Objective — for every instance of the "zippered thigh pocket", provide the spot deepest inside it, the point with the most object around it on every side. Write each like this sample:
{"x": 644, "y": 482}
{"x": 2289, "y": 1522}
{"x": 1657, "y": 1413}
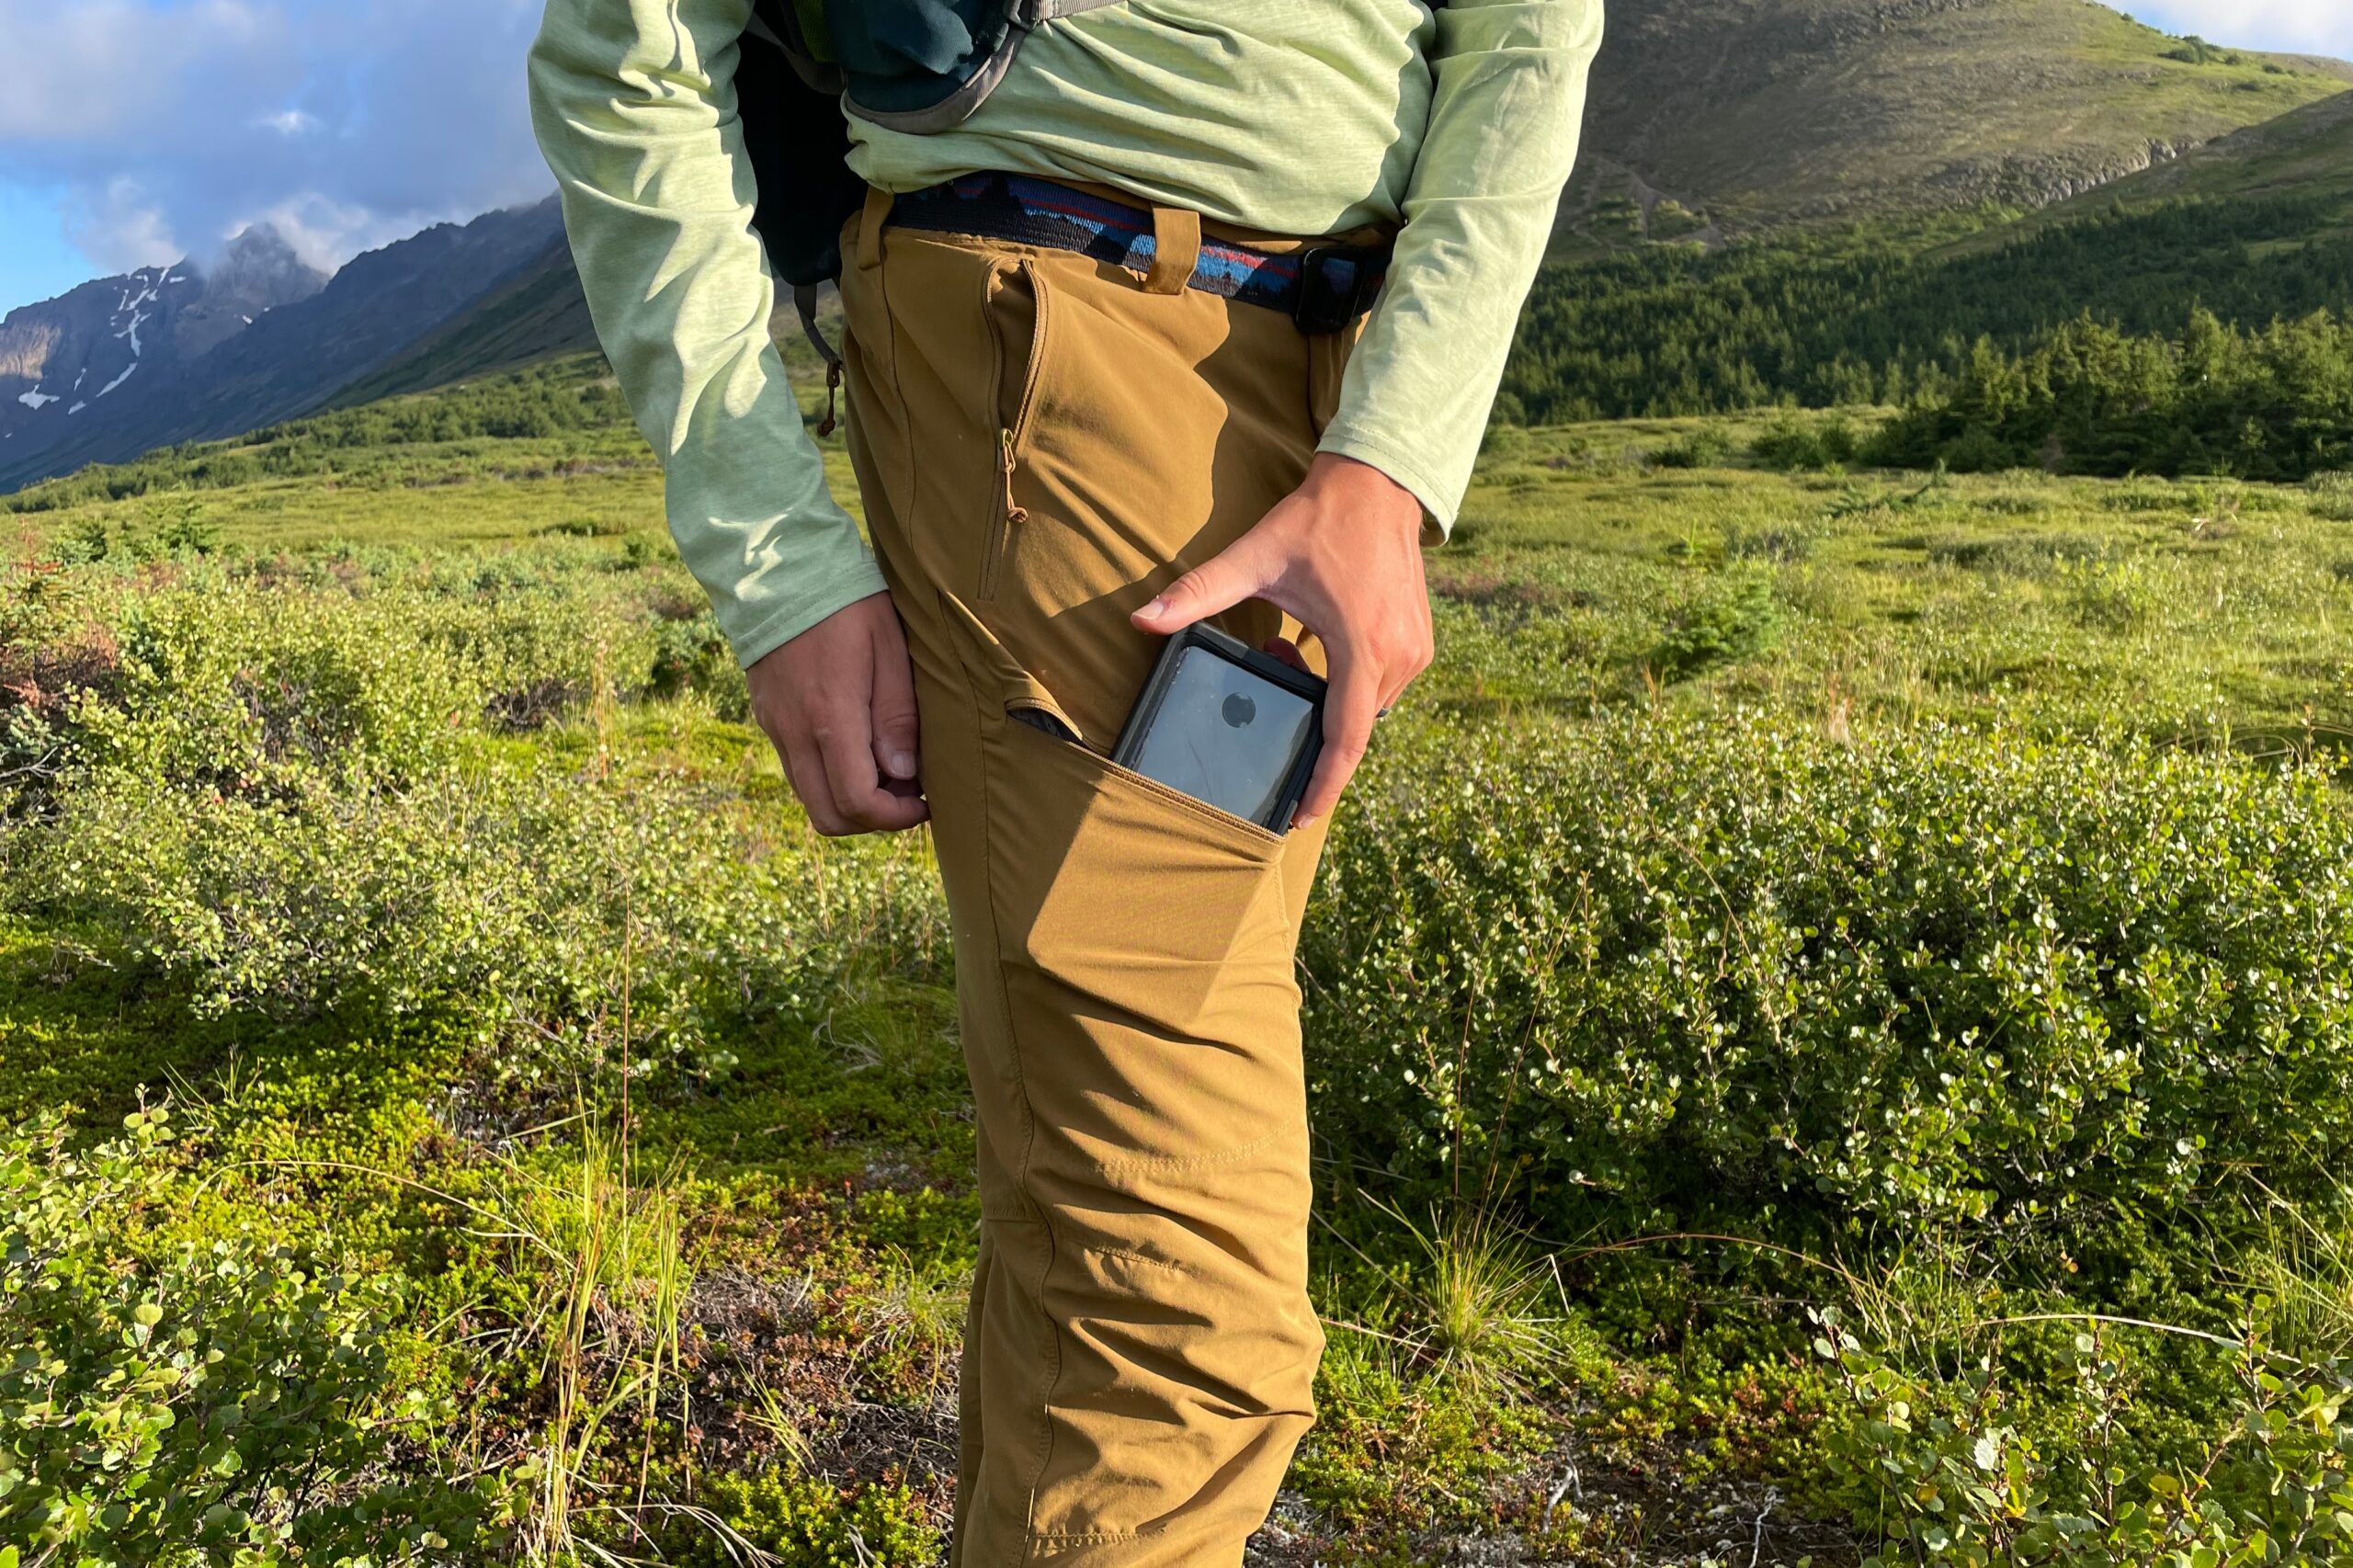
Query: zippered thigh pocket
{"x": 1018, "y": 306}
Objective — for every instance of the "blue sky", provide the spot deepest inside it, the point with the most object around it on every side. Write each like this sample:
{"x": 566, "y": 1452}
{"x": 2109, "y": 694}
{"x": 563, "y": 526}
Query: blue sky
{"x": 135, "y": 132}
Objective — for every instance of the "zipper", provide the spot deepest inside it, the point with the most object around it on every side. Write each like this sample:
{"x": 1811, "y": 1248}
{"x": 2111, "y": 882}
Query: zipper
{"x": 1011, "y": 515}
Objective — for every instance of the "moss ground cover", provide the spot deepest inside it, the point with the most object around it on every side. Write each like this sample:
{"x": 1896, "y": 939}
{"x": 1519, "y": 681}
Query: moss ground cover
{"x": 1831, "y": 1019}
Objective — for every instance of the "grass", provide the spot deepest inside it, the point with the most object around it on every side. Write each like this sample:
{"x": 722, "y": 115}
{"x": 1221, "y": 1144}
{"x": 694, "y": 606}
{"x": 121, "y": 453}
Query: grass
{"x": 721, "y": 1312}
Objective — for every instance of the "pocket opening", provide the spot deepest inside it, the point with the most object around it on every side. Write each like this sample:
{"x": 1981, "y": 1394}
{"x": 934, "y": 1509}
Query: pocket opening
{"x": 1045, "y": 716}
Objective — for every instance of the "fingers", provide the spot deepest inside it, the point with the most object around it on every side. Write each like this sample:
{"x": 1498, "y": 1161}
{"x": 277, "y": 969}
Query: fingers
{"x": 843, "y": 738}
{"x": 1349, "y": 708}
{"x": 1286, "y": 650}
{"x": 893, "y": 704}
{"x": 1218, "y": 584}
{"x": 839, "y": 702}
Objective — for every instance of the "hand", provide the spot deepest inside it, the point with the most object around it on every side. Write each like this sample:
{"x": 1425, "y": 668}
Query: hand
{"x": 839, "y": 702}
{"x": 1342, "y": 556}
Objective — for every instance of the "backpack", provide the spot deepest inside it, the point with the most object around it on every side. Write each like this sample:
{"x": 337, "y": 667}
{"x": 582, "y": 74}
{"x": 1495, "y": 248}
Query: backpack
{"x": 918, "y": 65}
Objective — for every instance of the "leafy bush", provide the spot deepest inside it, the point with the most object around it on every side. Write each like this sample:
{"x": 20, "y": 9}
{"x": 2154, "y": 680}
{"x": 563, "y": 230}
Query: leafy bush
{"x": 292, "y": 800}
{"x": 2040, "y": 994}
{"x": 1941, "y": 1470}
{"x": 174, "y": 1405}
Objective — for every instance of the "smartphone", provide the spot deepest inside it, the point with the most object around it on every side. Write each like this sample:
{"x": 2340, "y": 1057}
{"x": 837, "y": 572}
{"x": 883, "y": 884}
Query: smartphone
{"x": 1227, "y": 725}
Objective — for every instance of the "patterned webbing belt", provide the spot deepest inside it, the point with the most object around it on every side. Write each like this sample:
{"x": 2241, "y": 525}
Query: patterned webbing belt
{"x": 1323, "y": 288}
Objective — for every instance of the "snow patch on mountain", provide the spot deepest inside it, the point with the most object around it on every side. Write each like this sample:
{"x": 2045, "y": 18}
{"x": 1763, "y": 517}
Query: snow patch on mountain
{"x": 35, "y": 400}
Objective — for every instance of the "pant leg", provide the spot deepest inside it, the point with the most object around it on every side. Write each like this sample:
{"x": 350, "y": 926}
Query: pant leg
{"x": 1042, "y": 445}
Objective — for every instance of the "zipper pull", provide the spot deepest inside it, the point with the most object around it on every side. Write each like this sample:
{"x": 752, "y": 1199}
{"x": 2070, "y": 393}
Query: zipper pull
{"x": 832, "y": 384}
{"x": 1015, "y": 513}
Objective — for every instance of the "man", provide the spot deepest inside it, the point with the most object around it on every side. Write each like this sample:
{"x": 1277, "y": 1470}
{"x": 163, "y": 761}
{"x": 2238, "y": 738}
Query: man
{"x": 1093, "y": 397}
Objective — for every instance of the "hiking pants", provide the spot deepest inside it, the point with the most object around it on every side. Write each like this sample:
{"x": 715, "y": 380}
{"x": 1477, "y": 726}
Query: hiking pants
{"x": 1043, "y": 443}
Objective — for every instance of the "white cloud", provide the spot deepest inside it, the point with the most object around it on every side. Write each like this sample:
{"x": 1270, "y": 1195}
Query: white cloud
{"x": 288, "y": 122}
{"x": 119, "y": 228}
{"x": 348, "y": 123}
{"x": 326, "y": 233}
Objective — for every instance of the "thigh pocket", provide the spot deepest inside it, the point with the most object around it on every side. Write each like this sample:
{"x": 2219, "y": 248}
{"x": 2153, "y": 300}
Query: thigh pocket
{"x": 1143, "y": 938}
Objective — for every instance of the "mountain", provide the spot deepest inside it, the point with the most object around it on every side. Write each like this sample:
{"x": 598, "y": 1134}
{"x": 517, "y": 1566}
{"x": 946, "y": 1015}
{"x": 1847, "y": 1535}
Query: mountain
{"x": 221, "y": 379}
{"x": 74, "y": 364}
{"x": 536, "y": 312}
{"x": 2304, "y": 155}
{"x": 1710, "y": 118}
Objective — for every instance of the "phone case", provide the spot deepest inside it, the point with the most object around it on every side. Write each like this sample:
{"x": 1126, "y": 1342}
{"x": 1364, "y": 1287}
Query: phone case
{"x": 1264, "y": 666}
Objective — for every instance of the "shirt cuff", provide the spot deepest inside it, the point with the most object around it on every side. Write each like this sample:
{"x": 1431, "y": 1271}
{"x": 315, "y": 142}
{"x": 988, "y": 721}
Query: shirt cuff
{"x": 1439, "y": 503}
{"x": 809, "y": 603}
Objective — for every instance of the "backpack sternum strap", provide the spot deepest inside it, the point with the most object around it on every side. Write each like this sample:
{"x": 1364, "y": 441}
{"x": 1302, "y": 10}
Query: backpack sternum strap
{"x": 1033, "y": 12}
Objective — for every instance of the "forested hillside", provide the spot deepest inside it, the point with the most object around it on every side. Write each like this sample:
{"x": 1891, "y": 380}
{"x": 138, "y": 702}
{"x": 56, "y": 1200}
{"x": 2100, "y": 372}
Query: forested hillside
{"x": 2131, "y": 296}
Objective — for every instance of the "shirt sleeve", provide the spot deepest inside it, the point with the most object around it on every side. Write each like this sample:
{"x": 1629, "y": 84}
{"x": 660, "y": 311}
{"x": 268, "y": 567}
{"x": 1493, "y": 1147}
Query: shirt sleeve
{"x": 633, "y": 102}
{"x": 1508, "y": 102}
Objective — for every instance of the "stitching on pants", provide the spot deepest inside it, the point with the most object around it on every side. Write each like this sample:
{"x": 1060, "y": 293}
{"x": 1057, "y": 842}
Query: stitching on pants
{"x": 1193, "y": 1162}
{"x": 1124, "y": 1256}
{"x": 906, "y": 507}
{"x": 1029, "y": 1116}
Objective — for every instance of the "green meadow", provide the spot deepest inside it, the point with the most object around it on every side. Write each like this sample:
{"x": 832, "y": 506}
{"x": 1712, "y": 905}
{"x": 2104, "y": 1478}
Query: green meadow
{"x": 1830, "y": 1023}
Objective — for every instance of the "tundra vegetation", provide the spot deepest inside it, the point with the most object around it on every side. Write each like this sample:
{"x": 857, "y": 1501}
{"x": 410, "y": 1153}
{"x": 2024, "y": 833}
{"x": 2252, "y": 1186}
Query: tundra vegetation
{"x": 1830, "y": 1017}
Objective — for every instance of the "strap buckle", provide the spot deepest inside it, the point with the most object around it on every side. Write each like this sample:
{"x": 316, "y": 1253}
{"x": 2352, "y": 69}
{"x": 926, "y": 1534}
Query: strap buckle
{"x": 1337, "y": 284}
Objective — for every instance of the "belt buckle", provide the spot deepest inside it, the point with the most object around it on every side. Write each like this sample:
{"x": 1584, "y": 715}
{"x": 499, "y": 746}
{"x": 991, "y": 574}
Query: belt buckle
{"x": 1327, "y": 303}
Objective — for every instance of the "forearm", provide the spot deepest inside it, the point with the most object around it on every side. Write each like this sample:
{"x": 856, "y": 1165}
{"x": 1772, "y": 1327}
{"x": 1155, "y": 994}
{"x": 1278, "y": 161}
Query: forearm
{"x": 1509, "y": 99}
{"x": 633, "y": 104}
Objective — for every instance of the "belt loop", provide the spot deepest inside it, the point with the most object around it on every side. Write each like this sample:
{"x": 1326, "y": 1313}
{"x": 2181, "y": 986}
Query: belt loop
{"x": 869, "y": 227}
{"x": 1175, "y": 249}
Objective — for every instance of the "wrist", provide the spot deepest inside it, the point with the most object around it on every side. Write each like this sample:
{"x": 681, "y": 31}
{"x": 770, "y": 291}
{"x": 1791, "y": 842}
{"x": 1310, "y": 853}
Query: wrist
{"x": 1363, "y": 490}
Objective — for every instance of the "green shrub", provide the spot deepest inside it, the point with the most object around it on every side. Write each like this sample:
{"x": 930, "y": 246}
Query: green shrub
{"x": 2332, "y": 495}
{"x": 802, "y": 1522}
{"x": 1735, "y": 617}
{"x": 1703, "y": 447}
{"x": 2038, "y": 995}
{"x": 174, "y": 1405}
{"x": 1790, "y": 444}
{"x": 289, "y": 798}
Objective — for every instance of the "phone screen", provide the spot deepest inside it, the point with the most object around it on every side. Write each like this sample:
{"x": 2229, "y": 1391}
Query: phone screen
{"x": 1225, "y": 736}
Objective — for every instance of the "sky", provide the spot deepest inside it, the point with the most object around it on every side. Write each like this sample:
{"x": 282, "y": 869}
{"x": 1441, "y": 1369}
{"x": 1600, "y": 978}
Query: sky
{"x": 133, "y": 132}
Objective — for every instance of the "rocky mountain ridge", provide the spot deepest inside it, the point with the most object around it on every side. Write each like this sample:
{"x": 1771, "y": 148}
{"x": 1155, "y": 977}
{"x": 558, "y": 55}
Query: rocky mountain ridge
{"x": 122, "y": 366}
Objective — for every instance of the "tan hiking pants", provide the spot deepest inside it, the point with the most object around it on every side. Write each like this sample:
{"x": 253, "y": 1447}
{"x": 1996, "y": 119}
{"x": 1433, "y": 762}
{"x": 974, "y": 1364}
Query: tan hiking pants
{"x": 1044, "y": 442}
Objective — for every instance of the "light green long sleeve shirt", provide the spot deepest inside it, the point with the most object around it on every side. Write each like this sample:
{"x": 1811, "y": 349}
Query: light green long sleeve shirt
{"x": 1297, "y": 117}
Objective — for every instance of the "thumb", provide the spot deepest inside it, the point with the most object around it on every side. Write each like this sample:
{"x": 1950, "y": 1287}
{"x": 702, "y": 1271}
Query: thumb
{"x": 1218, "y": 584}
{"x": 895, "y": 705}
